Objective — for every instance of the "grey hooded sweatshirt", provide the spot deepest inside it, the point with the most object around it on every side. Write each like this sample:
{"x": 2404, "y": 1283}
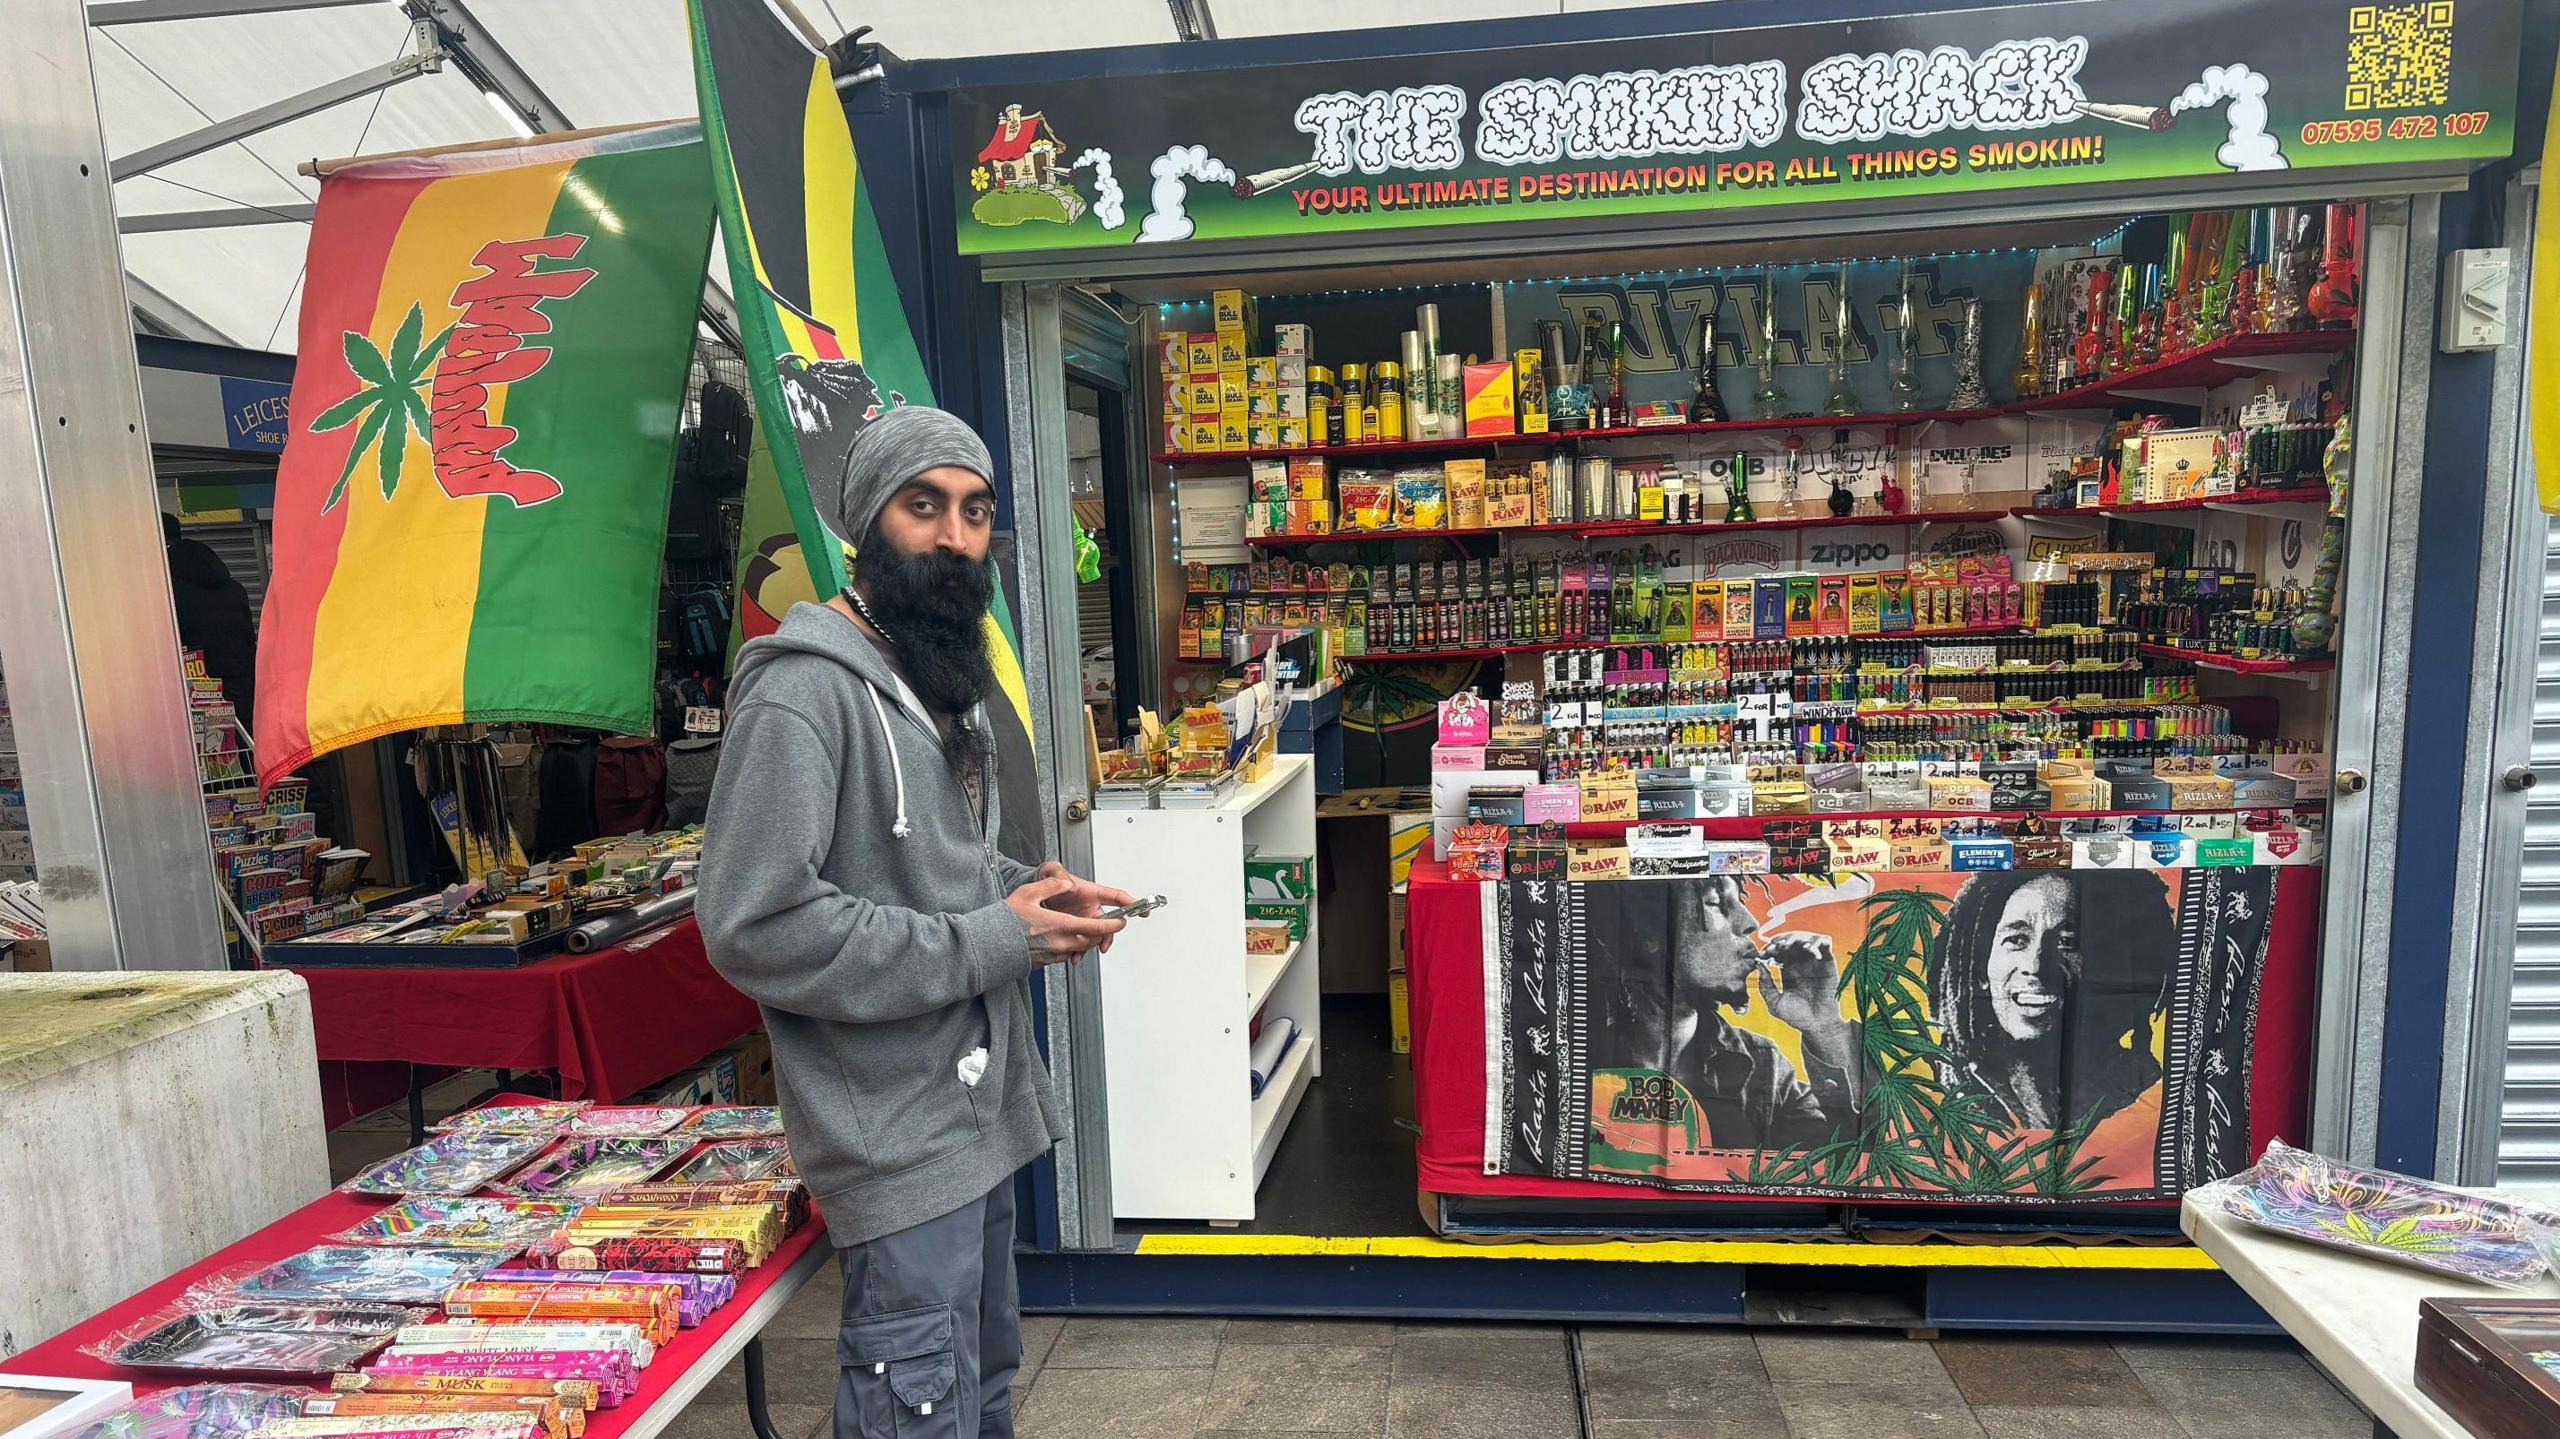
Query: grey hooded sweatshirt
{"x": 848, "y": 887}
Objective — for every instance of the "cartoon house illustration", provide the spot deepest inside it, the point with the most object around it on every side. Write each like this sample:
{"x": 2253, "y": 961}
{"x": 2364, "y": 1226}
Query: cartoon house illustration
{"x": 1023, "y": 175}
{"x": 1023, "y": 153}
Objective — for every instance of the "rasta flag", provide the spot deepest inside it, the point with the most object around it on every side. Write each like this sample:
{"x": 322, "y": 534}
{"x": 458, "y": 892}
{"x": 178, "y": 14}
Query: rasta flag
{"x": 472, "y": 504}
{"x": 828, "y": 346}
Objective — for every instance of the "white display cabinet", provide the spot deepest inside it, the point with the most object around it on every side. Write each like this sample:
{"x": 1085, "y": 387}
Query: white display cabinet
{"x": 1189, "y": 1140}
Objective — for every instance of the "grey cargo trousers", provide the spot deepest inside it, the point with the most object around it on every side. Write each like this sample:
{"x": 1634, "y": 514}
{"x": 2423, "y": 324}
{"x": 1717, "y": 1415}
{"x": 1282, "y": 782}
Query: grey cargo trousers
{"x": 932, "y": 1330}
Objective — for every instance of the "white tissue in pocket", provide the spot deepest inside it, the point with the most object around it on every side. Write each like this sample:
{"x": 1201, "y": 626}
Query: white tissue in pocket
{"x": 973, "y": 1066}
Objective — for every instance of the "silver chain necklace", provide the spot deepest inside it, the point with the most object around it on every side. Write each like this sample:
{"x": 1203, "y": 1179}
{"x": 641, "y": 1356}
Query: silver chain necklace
{"x": 868, "y": 617}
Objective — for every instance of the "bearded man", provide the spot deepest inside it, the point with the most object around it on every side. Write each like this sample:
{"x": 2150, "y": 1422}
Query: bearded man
{"x": 851, "y": 886}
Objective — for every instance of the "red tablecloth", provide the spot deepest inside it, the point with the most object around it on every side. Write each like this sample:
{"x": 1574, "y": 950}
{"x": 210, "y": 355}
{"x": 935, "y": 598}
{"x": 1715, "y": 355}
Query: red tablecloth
{"x": 314, "y": 1223}
{"x": 1444, "y": 960}
{"x": 610, "y": 1021}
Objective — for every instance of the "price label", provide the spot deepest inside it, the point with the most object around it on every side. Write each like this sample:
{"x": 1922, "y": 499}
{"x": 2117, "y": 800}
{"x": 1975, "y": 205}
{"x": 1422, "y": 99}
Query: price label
{"x": 701, "y": 719}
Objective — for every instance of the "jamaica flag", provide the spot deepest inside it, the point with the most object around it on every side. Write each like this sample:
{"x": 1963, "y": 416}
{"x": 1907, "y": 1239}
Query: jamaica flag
{"x": 828, "y": 347}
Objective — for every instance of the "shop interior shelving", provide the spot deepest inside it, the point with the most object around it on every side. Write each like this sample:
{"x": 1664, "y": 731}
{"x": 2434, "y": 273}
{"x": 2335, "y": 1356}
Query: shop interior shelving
{"x": 1489, "y": 652}
{"x": 1641, "y": 529}
{"x": 2299, "y": 497}
{"x": 2234, "y": 357}
{"x": 2233, "y": 664}
{"x": 1189, "y": 1140}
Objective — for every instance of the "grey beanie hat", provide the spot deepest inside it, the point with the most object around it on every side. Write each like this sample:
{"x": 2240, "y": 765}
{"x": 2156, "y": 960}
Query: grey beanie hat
{"x": 891, "y": 450}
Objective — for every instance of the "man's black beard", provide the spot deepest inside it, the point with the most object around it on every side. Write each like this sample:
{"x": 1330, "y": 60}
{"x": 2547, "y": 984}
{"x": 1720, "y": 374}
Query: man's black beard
{"x": 934, "y": 608}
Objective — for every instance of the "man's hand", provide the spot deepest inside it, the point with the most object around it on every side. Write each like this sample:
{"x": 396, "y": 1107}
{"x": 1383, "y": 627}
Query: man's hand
{"x": 1061, "y": 912}
{"x": 1799, "y": 982}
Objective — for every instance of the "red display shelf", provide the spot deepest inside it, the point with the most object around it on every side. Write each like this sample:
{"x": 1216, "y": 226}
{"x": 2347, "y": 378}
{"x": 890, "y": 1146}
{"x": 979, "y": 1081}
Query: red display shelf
{"x": 2233, "y": 664}
{"x": 1608, "y": 828}
{"x": 2300, "y": 495}
{"x": 1556, "y": 439}
{"x": 1896, "y": 419}
{"x": 1615, "y": 528}
{"x": 1374, "y": 450}
{"x": 1485, "y": 653}
{"x": 2216, "y": 364}
{"x": 1353, "y": 537}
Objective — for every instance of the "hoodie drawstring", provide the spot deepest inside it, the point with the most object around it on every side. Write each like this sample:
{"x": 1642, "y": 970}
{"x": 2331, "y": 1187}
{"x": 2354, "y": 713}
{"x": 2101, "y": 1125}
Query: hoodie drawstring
{"x": 897, "y": 770}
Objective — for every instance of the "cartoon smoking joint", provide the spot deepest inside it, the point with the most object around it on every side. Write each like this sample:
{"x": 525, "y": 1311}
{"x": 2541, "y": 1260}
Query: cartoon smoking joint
{"x": 1023, "y": 177}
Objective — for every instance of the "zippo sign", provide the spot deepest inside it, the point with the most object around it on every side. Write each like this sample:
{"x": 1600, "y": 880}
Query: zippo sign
{"x": 2025, "y": 97}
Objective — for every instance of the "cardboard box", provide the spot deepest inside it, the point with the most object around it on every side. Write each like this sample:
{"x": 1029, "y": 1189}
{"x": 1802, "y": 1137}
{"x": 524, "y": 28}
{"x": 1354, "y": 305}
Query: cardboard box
{"x": 1491, "y": 408}
{"x": 1965, "y": 794}
{"x": 1975, "y": 855}
{"x": 1232, "y": 433}
{"x": 713, "y": 1081}
{"x": 1597, "y": 861}
{"x": 1279, "y": 876}
{"x": 1200, "y": 397}
{"x": 1290, "y": 400}
{"x": 1553, "y": 803}
{"x": 2102, "y": 854}
{"x": 752, "y": 1055}
{"x": 1293, "y": 434}
{"x": 1173, "y": 353}
{"x": 2287, "y": 846}
{"x": 1262, "y": 434}
{"x": 1263, "y": 371}
{"x": 1266, "y": 937}
{"x": 1465, "y": 719}
{"x": 1399, "y": 994}
{"x": 1609, "y": 797}
{"x": 2163, "y": 851}
{"x": 2138, "y": 792}
{"x": 1291, "y": 912}
{"x": 1231, "y": 310}
{"x": 1406, "y": 835}
{"x": 1304, "y": 477}
{"x": 1261, "y": 402}
{"x": 1234, "y": 395}
{"x": 1453, "y": 758}
{"x": 2225, "y": 853}
{"x": 1202, "y": 437}
{"x": 1529, "y": 384}
{"x": 1200, "y": 357}
{"x": 1234, "y": 348}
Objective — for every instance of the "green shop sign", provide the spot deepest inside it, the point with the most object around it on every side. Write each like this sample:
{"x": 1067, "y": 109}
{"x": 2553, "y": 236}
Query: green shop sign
{"x": 2163, "y": 93}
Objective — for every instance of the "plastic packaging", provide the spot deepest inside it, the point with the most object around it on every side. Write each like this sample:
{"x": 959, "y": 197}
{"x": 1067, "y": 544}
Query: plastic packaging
{"x": 630, "y": 1120}
{"x": 589, "y": 1167}
{"x": 697, "y": 1295}
{"x": 201, "y": 1337}
{"x": 732, "y": 1121}
{"x": 507, "y": 1225}
{"x": 547, "y": 1118}
{"x": 1422, "y": 499}
{"x": 198, "y": 1411}
{"x": 729, "y": 1163}
{"x": 354, "y": 1274}
{"x": 449, "y": 1164}
{"x": 2387, "y": 1216}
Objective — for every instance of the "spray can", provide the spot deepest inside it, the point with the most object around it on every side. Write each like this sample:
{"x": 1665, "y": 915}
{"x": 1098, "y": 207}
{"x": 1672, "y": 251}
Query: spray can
{"x": 1386, "y": 384}
{"x": 1324, "y": 407}
{"x": 1355, "y": 406}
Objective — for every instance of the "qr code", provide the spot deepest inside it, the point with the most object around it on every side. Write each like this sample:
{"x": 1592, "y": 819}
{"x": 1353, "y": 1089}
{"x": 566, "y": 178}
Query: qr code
{"x": 2399, "y": 57}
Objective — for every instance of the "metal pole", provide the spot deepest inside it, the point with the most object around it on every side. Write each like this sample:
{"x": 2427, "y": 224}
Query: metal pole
{"x": 143, "y": 12}
{"x": 223, "y": 219}
{"x": 86, "y": 629}
{"x": 1035, "y": 426}
{"x": 284, "y": 111}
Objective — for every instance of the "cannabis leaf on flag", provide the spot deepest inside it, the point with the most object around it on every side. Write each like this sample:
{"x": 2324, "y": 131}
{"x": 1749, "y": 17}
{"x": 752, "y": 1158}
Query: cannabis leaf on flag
{"x": 389, "y": 403}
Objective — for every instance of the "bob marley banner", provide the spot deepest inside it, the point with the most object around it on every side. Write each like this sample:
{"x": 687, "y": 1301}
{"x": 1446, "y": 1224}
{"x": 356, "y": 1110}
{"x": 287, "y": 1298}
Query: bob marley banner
{"x": 2038, "y": 1035}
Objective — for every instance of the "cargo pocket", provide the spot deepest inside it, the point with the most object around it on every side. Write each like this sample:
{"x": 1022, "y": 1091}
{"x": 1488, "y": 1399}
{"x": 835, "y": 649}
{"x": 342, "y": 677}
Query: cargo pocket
{"x": 901, "y": 1368}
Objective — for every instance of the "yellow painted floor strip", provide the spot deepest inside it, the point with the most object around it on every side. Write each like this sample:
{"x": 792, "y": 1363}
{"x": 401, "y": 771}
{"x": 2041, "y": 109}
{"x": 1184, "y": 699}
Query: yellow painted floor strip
{"x": 1687, "y": 1251}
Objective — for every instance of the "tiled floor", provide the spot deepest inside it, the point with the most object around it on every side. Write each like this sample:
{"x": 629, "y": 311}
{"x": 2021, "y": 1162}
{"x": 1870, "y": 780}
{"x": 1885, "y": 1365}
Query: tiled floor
{"x": 1293, "y": 1379}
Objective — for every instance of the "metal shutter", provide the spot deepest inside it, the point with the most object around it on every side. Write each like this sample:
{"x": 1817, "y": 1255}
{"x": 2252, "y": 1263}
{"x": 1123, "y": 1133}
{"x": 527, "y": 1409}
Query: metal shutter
{"x": 2529, "y": 1100}
{"x": 243, "y": 548}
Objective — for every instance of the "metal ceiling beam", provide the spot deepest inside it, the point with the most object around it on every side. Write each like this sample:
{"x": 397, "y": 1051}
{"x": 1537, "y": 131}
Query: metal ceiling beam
{"x": 223, "y": 219}
{"x": 486, "y": 63}
{"x": 424, "y": 59}
{"x": 1191, "y": 20}
{"x": 144, "y": 12}
{"x": 169, "y": 316}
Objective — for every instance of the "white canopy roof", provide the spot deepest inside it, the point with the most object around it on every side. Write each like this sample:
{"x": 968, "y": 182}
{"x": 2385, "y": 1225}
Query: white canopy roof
{"x": 602, "y": 62}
